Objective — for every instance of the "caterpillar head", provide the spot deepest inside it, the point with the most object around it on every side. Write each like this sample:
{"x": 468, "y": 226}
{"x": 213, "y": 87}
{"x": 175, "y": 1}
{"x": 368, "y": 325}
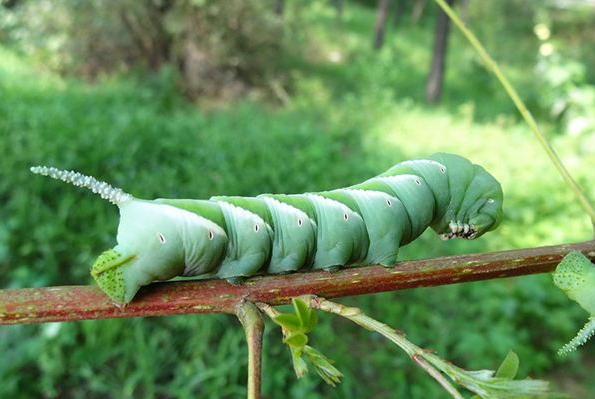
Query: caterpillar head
{"x": 476, "y": 199}
{"x": 486, "y": 213}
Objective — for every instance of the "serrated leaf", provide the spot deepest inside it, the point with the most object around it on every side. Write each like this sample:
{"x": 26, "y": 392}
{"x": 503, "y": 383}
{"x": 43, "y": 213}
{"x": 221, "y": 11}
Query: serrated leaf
{"x": 509, "y": 366}
{"x": 302, "y": 310}
{"x": 288, "y": 321}
{"x": 298, "y": 340}
{"x": 323, "y": 366}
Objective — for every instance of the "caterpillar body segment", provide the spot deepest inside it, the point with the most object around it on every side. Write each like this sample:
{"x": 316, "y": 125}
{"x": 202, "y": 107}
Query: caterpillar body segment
{"x": 294, "y": 232}
{"x": 294, "y": 241}
{"x": 417, "y": 198}
{"x": 385, "y": 219}
{"x": 238, "y": 237}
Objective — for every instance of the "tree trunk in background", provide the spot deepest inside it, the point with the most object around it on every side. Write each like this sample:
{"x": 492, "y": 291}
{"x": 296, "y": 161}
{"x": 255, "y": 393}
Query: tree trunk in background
{"x": 279, "y": 7}
{"x": 339, "y": 7}
{"x": 436, "y": 75}
{"x": 381, "y": 16}
{"x": 399, "y": 11}
{"x": 418, "y": 10}
{"x": 152, "y": 39}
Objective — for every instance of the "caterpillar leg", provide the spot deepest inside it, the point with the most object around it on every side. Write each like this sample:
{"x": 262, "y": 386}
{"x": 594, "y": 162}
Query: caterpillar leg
{"x": 235, "y": 280}
{"x": 459, "y": 229}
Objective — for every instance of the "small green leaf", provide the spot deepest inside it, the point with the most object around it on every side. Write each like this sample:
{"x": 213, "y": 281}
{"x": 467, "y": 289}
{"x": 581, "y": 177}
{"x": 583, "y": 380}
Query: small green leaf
{"x": 302, "y": 310}
{"x": 299, "y": 365}
{"x": 298, "y": 340}
{"x": 312, "y": 321}
{"x": 288, "y": 321}
{"x": 509, "y": 366}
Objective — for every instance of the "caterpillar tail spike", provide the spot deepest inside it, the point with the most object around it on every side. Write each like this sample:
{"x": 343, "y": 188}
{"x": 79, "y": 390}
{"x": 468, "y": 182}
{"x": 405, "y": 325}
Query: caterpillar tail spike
{"x": 234, "y": 238}
{"x": 105, "y": 190}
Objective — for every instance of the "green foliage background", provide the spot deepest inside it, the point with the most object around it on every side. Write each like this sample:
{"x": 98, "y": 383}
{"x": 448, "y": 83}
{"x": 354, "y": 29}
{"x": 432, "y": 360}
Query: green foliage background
{"x": 352, "y": 113}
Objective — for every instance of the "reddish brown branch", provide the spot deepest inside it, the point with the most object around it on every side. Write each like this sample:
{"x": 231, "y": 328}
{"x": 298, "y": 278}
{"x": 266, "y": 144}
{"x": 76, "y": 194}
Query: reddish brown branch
{"x": 38, "y": 305}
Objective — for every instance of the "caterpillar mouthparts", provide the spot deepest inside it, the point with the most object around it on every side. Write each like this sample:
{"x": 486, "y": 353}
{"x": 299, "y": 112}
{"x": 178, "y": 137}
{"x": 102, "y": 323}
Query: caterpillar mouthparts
{"x": 459, "y": 230}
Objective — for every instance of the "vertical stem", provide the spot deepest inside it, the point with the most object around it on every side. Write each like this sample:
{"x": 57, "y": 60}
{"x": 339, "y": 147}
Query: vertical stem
{"x": 491, "y": 64}
{"x": 253, "y": 324}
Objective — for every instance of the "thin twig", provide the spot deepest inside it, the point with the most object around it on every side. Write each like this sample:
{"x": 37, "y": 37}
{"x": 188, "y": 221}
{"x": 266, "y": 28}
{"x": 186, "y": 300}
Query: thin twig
{"x": 253, "y": 324}
{"x": 268, "y": 310}
{"x": 437, "y": 376}
{"x": 526, "y": 114}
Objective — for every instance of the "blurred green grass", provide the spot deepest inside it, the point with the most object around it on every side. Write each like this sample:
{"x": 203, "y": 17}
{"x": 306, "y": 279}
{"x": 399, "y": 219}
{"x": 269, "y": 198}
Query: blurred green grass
{"x": 353, "y": 113}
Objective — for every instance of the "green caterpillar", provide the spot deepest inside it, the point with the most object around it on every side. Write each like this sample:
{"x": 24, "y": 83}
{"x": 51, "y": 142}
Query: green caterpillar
{"x": 575, "y": 275}
{"x": 237, "y": 237}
